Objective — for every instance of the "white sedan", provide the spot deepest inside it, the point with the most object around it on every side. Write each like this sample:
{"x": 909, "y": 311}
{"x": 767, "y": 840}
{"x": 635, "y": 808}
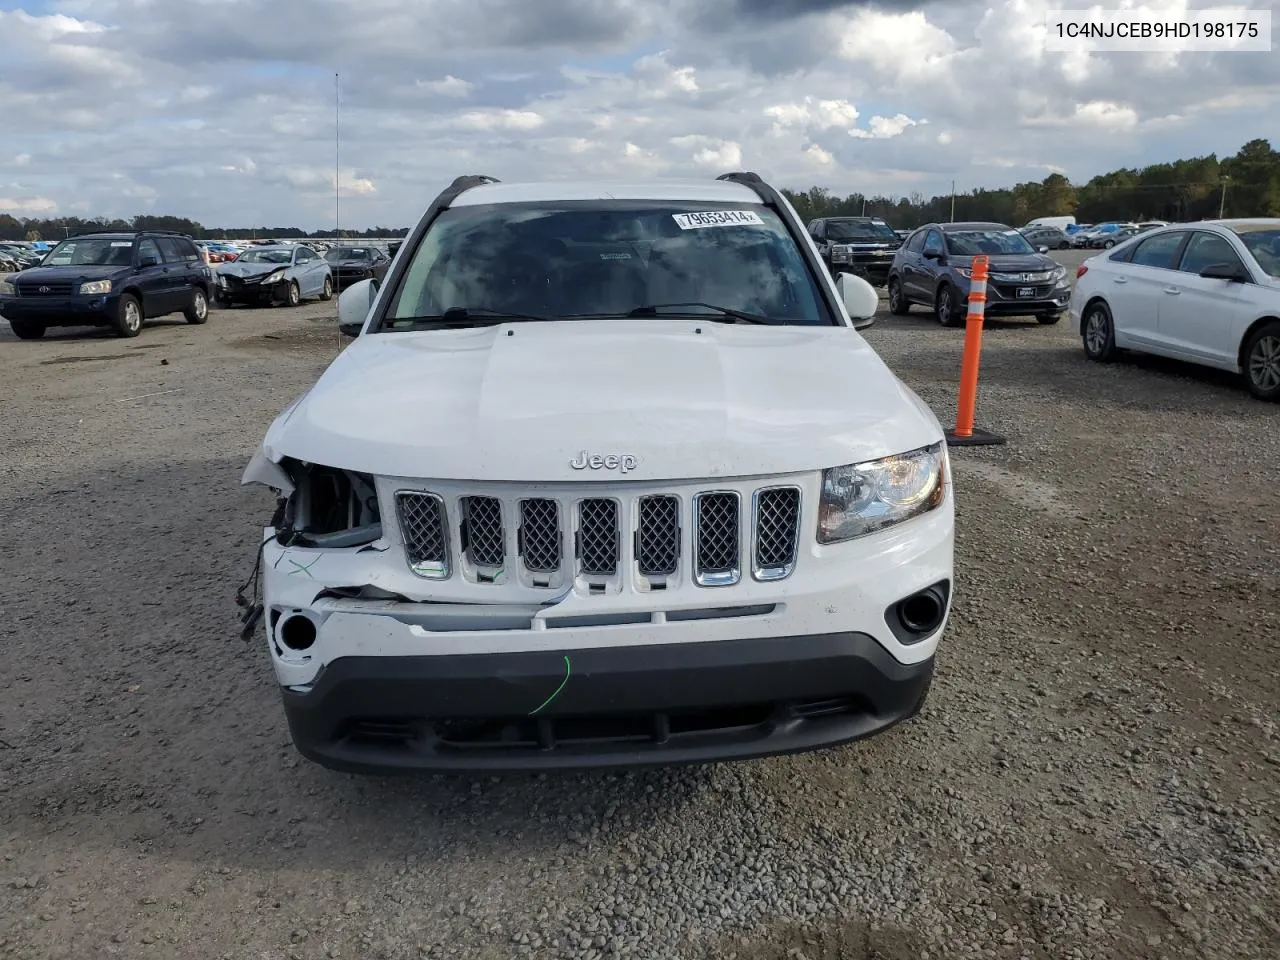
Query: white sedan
{"x": 1206, "y": 292}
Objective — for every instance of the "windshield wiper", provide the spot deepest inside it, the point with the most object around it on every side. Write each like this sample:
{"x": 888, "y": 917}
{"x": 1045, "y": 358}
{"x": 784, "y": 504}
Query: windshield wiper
{"x": 651, "y": 310}
{"x": 466, "y": 316}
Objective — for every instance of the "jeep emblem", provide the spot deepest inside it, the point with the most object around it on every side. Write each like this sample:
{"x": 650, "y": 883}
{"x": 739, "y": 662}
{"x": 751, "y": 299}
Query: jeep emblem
{"x": 614, "y": 461}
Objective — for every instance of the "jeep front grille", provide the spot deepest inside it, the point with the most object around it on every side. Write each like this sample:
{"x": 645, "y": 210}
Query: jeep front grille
{"x": 707, "y": 536}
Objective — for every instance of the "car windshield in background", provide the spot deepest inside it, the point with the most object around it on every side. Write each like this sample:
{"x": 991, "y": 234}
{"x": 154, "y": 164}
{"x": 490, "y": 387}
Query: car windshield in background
{"x": 348, "y": 253}
{"x": 972, "y": 243}
{"x": 94, "y": 252}
{"x": 1264, "y": 244}
{"x": 266, "y": 256}
{"x": 839, "y": 230}
{"x": 607, "y": 258}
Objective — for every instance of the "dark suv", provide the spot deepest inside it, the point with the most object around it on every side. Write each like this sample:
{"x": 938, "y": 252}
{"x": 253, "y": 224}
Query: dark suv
{"x": 115, "y": 280}
{"x": 932, "y": 269}
{"x": 861, "y": 245}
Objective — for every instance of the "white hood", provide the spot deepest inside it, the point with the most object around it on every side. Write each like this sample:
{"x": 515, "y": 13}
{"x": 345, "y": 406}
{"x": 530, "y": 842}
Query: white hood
{"x": 519, "y": 401}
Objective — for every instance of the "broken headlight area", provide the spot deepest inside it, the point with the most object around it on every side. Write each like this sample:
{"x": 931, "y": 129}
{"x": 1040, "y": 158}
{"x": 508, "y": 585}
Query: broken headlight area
{"x": 328, "y": 508}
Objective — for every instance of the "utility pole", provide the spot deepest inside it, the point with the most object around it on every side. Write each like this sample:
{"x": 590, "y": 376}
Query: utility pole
{"x": 864, "y": 206}
{"x": 953, "y": 201}
{"x": 1222, "y": 202}
{"x": 337, "y": 230}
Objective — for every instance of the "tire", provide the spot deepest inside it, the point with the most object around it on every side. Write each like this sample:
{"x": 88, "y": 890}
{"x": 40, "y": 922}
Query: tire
{"x": 945, "y": 306}
{"x": 1048, "y": 319}
{"x": 1108, "y": 244}
{"x": 26, "y": 329}
{"x": 899, "y": 305}
{"x": 327, "y": 292}
{"x": 129, "y": 317}
{"x": 198, "y": 310}
{"x": 293, "y": 296}
{"x": 1262, "y": 362}
{"x": 1098, "y": 333}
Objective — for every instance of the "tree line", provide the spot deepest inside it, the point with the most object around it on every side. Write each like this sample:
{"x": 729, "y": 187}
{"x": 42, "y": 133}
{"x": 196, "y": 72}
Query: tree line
{"x": 1199, "y": 188}
{"x": 59, "y": 228}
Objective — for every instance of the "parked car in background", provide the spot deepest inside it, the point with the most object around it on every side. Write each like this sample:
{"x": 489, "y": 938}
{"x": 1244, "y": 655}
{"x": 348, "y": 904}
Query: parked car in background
{"x": 1208, "y": 293}
{"x": 1152, "y": 224}
{"x": 933, "y": 269}
{"x": 1085, "y": 238}
{"x": 863, "y": 246}
{"x": 278, "y": 274}
{"x": 116, "y": 280}
{"x": 1059, "y": 223}
{"x": 1105, "y": 241}
{"x": 354, "y": 263}
{"x": 1051, "y": 238}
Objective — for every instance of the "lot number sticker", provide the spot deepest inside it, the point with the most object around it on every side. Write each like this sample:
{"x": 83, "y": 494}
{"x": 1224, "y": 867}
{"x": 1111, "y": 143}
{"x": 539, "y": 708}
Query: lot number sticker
{"x": 717, "y": 218}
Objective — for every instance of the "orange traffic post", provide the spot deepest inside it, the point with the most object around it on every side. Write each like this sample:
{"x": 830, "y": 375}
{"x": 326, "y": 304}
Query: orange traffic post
{"x": 964, "y": 434}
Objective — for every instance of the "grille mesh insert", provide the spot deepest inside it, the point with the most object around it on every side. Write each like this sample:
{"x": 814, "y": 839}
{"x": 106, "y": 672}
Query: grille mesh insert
{"x": 421, "y": 517}
{"x": 777, "y": 524}
{"x": 598, "y": 537}
{"x": 486, "y": 546}
{"x": 658, "y": 536}
{"x": 540, "y": 543}
{"x": 717, "y": 548}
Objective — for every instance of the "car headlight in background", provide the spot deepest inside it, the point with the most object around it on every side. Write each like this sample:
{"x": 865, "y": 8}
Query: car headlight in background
{"x": 965, "y": 272}
{"x": 865, "y": 497}
{"x": 1059, "y": 274}
{"x": 7, "y": 288}
{"x": 95, "y": 286}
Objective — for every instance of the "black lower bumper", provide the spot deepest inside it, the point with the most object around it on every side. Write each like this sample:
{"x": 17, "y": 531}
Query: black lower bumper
{"x": 609, "y": 707}
{"x": 60, "y": 311}
{"x": 875, "y": 271}
{"x": 254, "y": 295}
{"x": 1023, "y": 308}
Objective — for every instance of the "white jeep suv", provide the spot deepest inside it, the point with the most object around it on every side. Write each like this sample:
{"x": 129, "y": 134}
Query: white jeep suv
{"x": 607, "y": 477}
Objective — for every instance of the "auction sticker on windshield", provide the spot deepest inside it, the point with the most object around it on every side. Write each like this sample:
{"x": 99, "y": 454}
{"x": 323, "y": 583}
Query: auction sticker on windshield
{"x": 717, "y": 218}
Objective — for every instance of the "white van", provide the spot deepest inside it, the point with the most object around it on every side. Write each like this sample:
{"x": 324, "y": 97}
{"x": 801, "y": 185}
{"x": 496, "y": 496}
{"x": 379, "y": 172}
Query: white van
{"x": 1060, "y": 222}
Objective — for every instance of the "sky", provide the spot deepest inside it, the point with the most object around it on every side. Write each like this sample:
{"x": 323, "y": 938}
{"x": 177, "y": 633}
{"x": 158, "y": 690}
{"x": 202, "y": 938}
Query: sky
{"x": 229, "y": 111}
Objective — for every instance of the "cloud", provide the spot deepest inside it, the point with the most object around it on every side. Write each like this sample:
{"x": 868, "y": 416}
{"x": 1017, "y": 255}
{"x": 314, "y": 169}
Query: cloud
{"x": 196, "y": 109}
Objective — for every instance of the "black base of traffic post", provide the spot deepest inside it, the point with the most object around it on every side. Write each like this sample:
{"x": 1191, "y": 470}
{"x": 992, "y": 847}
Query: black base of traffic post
{"x": 979, "y": 438}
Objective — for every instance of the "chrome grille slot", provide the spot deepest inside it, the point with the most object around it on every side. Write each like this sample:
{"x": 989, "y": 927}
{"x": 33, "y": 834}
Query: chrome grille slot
{"x": 598, "y": 537}
{"x": 483, "y": 537}
{"x": 777, "y": 527}
{"x": 422, "y": 524}
{"x": 658, "y": 536}
{"x": 540, "y": 544}
{"x": 716, "y": 540}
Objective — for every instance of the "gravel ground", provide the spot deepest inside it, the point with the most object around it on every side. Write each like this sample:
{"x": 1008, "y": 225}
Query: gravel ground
{"x": 1095, "y": 774}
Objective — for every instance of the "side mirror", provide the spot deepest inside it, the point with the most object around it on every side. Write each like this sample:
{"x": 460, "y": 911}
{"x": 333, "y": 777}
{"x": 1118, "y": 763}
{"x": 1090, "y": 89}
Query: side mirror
{"x": 148, "y": 262}
{"x": 860, "y": 299}
{"x": 1043, "y": 249}
{"x": 1224, "y": 271}
{"x": 932, "y": 254}
{"x": 353, "y": 307}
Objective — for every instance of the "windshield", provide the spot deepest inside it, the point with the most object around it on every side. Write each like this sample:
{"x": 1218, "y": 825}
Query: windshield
{"x": 971, "y": 243}
{"x": 265, "y": 256}
{"x": 1265, "y": 247}
{"x": 594, "y": 258}
{"x": 859, "y": 230}
{"x": 80, "y": 252}
{"x": 349, "y": 253}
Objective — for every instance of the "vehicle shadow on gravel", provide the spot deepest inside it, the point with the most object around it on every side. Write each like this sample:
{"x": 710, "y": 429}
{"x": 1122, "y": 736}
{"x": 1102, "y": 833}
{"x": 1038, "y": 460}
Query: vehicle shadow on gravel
{"x": 151, "y": 722}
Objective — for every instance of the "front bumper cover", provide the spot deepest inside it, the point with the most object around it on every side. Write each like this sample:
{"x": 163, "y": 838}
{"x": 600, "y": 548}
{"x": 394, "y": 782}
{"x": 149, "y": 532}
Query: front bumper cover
{"x": 603, "y": 707}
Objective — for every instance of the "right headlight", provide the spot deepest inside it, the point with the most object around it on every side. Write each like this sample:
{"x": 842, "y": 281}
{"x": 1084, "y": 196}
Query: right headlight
{"x": 276, "y": 277}
{"x": 862, "y": 498}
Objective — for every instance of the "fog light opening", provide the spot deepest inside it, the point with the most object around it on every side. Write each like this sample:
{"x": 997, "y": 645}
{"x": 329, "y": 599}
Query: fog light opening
{"x": 297, "y": 632}
{"x": 922, "y": 612}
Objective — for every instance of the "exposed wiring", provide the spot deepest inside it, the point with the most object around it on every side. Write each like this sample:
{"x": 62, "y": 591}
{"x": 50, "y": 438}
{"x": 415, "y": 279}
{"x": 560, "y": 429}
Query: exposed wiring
{"x": 568, "y": 669}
